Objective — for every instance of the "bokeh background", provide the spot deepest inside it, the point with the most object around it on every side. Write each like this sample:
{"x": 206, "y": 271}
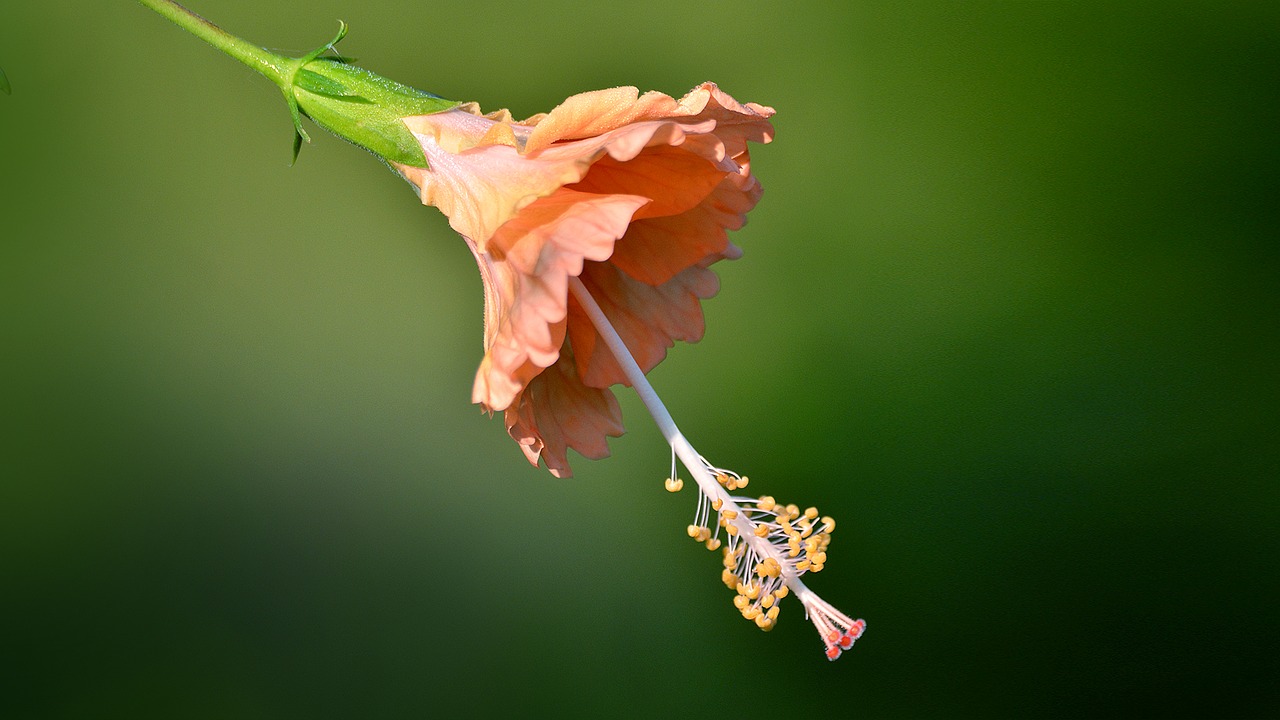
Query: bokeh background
{"x": 1008, "y": 311}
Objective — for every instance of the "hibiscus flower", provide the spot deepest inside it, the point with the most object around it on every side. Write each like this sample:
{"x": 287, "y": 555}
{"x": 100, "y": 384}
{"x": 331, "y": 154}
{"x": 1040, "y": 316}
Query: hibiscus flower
{"x": 594, "y": 227}
{"x": 632, "y": 194}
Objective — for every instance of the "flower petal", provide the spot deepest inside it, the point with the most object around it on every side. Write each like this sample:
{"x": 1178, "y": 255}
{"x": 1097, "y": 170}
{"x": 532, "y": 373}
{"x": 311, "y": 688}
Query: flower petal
{"x": 675, "y": 179}
{"x": 648, "y": 318}
{"x": 556, "y": 411}
{"x": 463, "y": 128}
{"x": 483, "y": 186}
{"x": 594, "y": 113}
{"x": 526, "y": 274}
{"x": 655, "y": 249}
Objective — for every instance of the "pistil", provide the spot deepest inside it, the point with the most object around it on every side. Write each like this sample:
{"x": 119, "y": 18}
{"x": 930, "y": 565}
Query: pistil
{"x": 762, "y": 555}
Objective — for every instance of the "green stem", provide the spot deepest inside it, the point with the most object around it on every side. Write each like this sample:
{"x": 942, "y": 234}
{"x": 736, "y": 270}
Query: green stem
{"x": 349, "y": 101}
{"x": 277, "y": 68}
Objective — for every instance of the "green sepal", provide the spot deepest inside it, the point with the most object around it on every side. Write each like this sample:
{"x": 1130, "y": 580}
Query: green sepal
{"x": 356, "y": 105}
{"x": 299, "y": 133}
{"x": 364, "y": 108}
{"x": 318, "y": 84}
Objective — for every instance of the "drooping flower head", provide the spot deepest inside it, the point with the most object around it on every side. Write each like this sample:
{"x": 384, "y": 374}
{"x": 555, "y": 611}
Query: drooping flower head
{"x": 594, "y": 227}
{"x": 631, "y": 193}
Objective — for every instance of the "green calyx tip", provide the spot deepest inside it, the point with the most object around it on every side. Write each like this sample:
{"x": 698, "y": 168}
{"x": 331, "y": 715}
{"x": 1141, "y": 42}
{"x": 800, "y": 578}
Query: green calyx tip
{"x": 356, "y": 105}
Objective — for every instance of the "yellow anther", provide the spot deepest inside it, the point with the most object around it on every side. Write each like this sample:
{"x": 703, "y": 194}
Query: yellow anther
{"x": 693, "y": 531}
{"x": 741, "y": 601}
{"x": 793, "y": 510}
{"x": 802, "y": 565}
{"x": 713, "y": 544}
{"x": 767, "y": 601}
{"x": 761, "y": 531}
{"x": 762, "y": 621}
{"x": 771, "y": 625}
{"x": 742, "y": 589}
{"x": 730, "y": 580}
{"x": 751, "y": 613}
{"x": 811, "y": 513}
{"x": 730, "y": 484}
{"x": 812, "y": 545}
{"x": 742, "y": 481}
{"x": 722, "y": 478}
{"x": 716, "y": 504}
{"x": 753, "y": 591}
{"x": 781, "y": 592}
{"x": 731, "y": 529}
{"x": 828, "y": 524}
{"x": 818, "y": 559}
{"x": 816, "y": 567}
{"x": 704, "y": 534}
{"x": 674, "y": 484}
{"x": 794, "y": 552}
{"x": 785, "y": 524}
{"x": 729, "y": 514}
{"x": 731, "y": 562}
{"x": 766, "y": 502}
{"x": 773, "y": 613}
{"x": 806, "y": 532}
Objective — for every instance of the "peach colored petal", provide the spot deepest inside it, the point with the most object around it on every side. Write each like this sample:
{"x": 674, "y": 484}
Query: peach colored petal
{"x": 675, "y": 179}
{"x": 736, "y": 123}
{"x": 526, "y": 274}
{"x": 598, "y": 112}
{"x": 655, "y": 249}
{"x": 483, "y": 186}
{"x": 556, "y": 412}
{"x": 648, "y": 318}
{"x": 463, "y": 128}
{"x": 593, "y": 113}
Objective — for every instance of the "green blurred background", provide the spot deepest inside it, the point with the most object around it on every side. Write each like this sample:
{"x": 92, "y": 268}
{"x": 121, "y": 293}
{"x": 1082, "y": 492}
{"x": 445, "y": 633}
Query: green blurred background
{"x": 1008, "y": 311}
